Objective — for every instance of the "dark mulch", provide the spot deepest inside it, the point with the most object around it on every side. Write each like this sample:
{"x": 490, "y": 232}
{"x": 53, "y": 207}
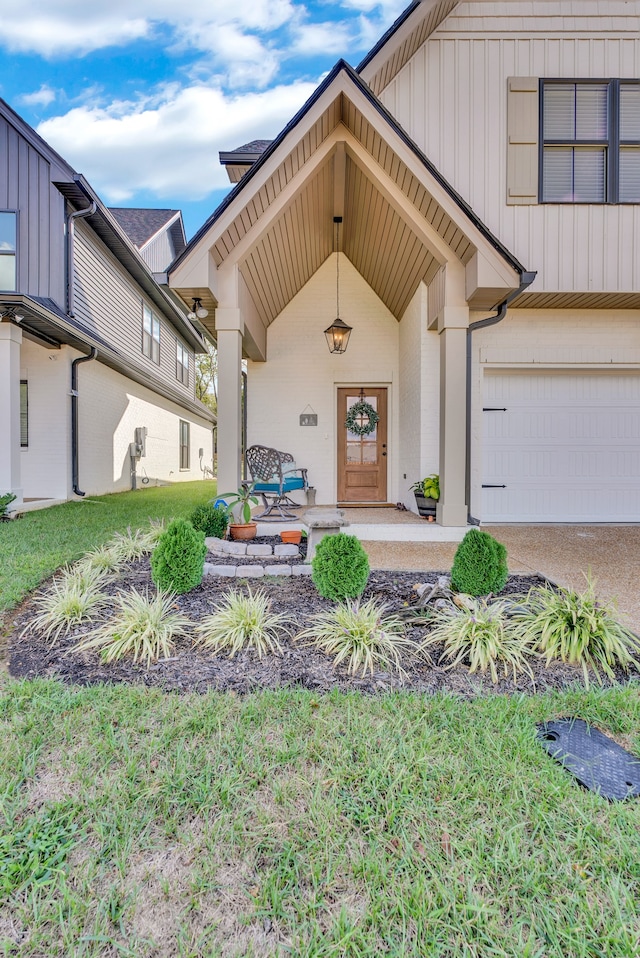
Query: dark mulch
{"x": 191, "y": 670}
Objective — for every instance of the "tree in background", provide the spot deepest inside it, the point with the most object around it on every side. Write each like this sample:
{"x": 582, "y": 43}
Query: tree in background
{"x": 207, "y": 377}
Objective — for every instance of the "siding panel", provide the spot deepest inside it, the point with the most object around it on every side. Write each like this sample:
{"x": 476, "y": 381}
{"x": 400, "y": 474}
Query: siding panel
{"x": 109, "y": 303}
{"x": 458, "y": 117}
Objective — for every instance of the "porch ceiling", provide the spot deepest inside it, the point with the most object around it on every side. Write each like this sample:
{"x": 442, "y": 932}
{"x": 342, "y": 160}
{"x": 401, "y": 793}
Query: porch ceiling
{"x": 384, "y": 249}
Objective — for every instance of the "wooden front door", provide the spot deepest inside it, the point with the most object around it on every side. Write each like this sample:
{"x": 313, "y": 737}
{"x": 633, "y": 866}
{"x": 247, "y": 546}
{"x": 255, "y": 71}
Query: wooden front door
{"x": 362, "y": 460}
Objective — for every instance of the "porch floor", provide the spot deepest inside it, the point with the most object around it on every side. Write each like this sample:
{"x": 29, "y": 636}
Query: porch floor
{"x": 376, "y": 525}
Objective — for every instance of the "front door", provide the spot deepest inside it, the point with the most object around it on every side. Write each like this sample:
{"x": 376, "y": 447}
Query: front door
{"x": 362, "y": 459}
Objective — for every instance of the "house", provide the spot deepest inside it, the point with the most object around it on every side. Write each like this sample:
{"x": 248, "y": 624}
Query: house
{"x": 96, "y": 358}
{"x": 468, "y": 201}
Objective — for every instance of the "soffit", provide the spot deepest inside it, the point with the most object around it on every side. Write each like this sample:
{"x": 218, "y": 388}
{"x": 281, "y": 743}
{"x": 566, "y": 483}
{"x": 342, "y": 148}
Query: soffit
{"x": 578, "y": 300}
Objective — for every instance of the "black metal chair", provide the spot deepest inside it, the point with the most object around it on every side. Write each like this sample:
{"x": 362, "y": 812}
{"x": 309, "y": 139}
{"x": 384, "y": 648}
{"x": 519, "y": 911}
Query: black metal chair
{"x": 274, "y": 474}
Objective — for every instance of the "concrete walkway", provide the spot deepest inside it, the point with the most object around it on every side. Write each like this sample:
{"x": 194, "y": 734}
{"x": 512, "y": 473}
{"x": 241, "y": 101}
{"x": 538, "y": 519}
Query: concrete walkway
{"x": 563, "y": 553}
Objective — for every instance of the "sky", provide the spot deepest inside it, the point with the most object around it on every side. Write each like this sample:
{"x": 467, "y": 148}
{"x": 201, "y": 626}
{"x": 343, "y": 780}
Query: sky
{"x": 141, "y": 95}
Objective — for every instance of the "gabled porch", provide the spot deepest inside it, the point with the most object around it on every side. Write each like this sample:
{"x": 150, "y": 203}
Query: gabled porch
{"x": 344, "y": 189}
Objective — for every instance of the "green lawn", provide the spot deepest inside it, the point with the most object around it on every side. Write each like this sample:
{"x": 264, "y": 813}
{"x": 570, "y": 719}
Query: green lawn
{"x": 139, "y": 823}
{"x": 33, "y": 547}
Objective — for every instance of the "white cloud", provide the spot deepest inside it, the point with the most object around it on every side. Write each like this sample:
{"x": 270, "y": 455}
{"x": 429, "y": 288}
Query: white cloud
{"x": 54, "y": 27}
{"x": 170, "y": 145}
{"x": 42, "y": 97}
{"x": 313, "y": 38}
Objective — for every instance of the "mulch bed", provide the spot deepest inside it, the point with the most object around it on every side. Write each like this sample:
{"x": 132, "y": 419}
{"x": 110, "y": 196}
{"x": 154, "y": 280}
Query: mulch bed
{"x": 193, "y": 670}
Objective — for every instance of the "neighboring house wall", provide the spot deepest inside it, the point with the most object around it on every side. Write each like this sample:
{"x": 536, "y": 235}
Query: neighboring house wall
{"x": 451, "y": 97}
{"x": 159, "y": 253}
{"x": 45, "y": 461}
{"x": 300, "y": 372}
{"x": 108, "y": 302}
{"x": 111, "y": 405}
{"x": 25, "y": 186}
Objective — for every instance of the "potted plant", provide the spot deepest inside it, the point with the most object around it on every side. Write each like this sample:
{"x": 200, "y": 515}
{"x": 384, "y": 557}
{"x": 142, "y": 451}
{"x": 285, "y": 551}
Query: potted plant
{"x": 427, "y": 493}
{"x": 239, "y": 502}
{"x": 291, "y": 536}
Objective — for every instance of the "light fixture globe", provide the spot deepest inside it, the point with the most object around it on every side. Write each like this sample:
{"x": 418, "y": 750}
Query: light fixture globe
{"x": 338, "y": 336}
{"x": 197, "y": 310}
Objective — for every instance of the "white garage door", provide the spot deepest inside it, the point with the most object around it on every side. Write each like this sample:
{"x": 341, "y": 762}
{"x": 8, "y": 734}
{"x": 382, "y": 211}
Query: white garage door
{"x": 561, "y": 447}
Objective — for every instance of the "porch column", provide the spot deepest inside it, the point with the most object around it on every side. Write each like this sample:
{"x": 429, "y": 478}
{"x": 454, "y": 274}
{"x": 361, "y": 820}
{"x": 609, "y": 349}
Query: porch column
{"x": 229, "y": 334}
{"x": 452, "y": 507}
{"x": 10, "y": 465}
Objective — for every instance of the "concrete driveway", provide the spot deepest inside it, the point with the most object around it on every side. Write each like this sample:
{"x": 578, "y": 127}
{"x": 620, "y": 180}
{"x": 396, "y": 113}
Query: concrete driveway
{"x": 563, "y": 553}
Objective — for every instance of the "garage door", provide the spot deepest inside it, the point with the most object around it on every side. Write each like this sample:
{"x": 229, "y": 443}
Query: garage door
{"x": 561, "y": 447}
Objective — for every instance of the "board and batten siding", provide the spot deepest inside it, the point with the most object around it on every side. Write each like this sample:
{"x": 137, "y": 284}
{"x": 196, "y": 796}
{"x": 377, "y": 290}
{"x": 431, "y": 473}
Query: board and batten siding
{"x": 452, "y": 99}
{"x": 25, "y": 186}
{"x": 107, "y": 301}
{"x": 159, "y": 254}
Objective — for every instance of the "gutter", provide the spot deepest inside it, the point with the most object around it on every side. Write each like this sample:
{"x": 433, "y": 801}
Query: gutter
{"x": 74, "y": 417}
{"x": 71, "y": 218}
{"x": 526, "y": 279}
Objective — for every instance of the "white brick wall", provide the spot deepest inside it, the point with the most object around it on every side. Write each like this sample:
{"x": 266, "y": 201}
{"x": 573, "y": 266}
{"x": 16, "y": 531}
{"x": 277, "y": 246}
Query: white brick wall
{"x": 300, "y": 372}
{"x": 110, "y": 409}
{"x": 419, "y": 391}
{"x": 45, "y": 470}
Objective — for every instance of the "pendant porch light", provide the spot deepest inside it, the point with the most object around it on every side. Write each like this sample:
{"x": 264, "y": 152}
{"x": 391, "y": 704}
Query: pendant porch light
{"x": 338, "y": 333}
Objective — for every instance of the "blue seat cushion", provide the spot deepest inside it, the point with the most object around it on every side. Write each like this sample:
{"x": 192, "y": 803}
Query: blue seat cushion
{"x": 287, "y": 486}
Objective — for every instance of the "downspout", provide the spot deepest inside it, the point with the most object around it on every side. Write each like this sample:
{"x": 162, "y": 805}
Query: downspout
{"x": 526, "y": 279}
{"x": 244, "y": 423}
{"x": 71, "y": 218}
{"x": 74, "y": 416}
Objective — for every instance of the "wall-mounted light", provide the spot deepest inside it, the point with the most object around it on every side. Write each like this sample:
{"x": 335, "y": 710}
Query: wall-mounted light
{"x": 197, "y": 310}
{"x": 338, "y": 333}
{"x": 11, "y": 315}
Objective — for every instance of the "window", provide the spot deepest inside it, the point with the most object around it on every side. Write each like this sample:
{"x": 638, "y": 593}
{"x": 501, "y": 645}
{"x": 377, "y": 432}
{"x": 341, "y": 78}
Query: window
{"x": 8, "y": 252}
{"x": 24, "y": 413}
{"x": 590, "y": 136}
{"x": 184, "y": 444}
{"x": 150, "y": 335}
{"x": 182, "y": 364}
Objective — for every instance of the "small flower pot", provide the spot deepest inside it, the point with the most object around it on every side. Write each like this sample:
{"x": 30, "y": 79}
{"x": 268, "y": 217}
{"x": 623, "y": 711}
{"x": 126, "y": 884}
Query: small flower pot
{"x": 291, "y": 536}
{"x": 426, "y": 506}
{"x": 243, "y": 530}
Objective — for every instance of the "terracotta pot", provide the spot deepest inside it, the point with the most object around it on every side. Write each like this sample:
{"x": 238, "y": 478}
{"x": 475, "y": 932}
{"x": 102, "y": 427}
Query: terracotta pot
{"x": 292, "y": 536}
{"x": 243, "y": 530}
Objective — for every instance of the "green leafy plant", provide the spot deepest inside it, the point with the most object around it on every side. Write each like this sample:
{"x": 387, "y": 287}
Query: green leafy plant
{"x": 340, "y": 567}
{"x": 5, "y": 501}
{"x": 210, "y": 520}
{"x": 479, "y": 565}
{"x": 578, "y": 629}
{"x": 177, "y": 562}
{"x": 428, "y": 487}
{"x": 142, "y": 627}
{"x": 75, "y": 594}
{"x": 360, "y": 634}
{"x": 483, "y": 635}
{"x": 242, "y": 622}
{"x": 241, "y": 501}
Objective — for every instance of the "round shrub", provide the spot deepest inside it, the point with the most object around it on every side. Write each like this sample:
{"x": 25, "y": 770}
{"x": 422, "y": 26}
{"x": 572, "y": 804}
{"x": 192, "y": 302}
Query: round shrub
{"x": 340, "y": 567}
{"x": 177, "y": 561}
{"x": 479, "y": 565}
{"x": 206, "y": 518}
